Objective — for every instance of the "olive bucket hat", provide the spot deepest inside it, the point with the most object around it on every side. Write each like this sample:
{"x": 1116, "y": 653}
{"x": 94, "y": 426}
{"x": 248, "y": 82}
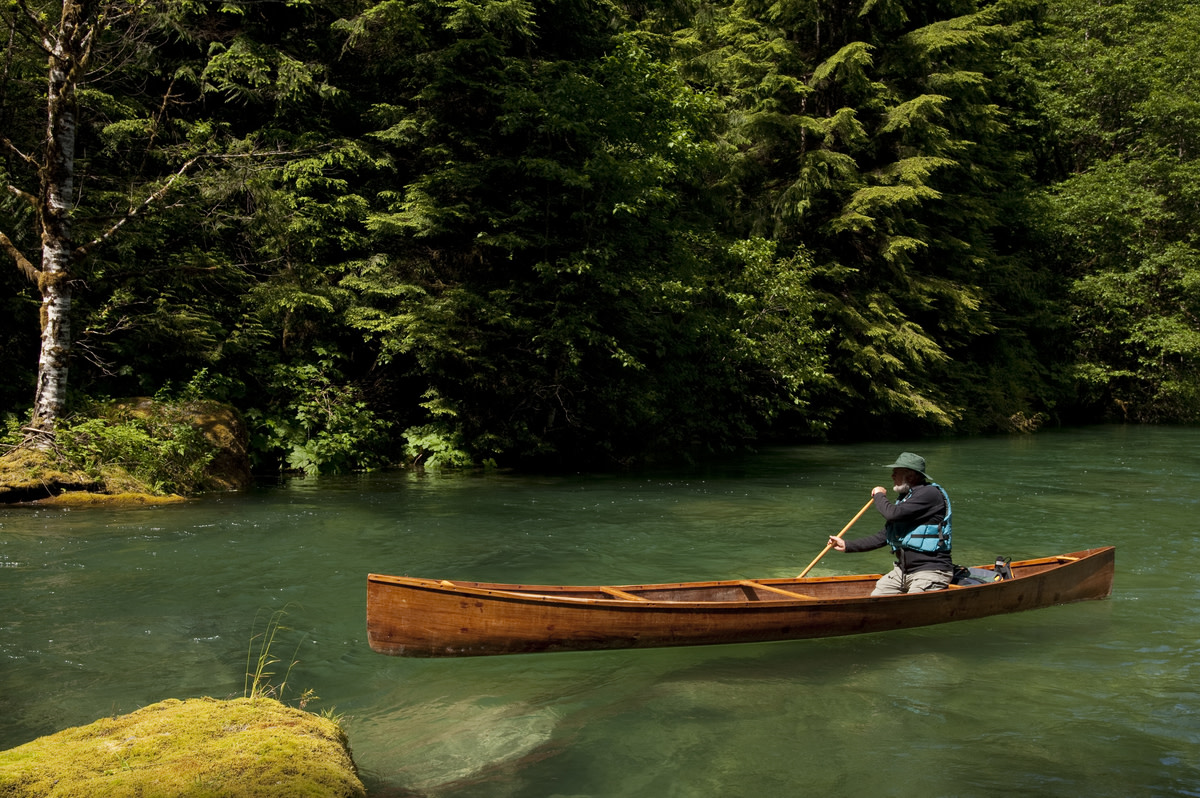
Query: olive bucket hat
{"x": 913, "y": 462}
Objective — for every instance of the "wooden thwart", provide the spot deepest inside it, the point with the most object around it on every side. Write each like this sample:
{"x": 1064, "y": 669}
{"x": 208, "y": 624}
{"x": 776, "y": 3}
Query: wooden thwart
{"x": 621, "y": 594}
{"x": 773, "y": 589}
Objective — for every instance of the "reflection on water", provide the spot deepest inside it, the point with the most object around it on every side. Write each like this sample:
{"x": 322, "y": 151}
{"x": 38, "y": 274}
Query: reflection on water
{"x": 106, "y": 611}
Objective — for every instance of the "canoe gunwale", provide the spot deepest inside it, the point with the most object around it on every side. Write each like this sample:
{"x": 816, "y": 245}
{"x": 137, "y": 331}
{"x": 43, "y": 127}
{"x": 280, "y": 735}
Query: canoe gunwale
{"x": 532, "y": 593}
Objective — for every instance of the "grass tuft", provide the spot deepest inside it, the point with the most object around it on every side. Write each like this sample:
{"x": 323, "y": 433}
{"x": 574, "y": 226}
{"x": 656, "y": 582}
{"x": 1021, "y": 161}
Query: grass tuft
{"x": 258, "y": 682}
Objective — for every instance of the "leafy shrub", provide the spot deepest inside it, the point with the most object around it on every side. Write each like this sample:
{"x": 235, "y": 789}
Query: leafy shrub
{"x": 322, "y": 427}
{"x": 11, "y": 430}
{"x": 435, "y": 447}
{"x": 151, "y": 442}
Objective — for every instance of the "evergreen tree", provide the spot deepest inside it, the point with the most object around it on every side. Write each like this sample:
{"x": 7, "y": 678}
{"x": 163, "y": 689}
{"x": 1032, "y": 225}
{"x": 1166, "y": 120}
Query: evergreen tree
{"x": 542, "y": 271}
{"x": 868, "y": 135}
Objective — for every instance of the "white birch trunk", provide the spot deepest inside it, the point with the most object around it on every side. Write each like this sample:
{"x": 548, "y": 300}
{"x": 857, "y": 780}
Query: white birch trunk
{"x": 68, "y": 53}
{"x": 56, "y": 343}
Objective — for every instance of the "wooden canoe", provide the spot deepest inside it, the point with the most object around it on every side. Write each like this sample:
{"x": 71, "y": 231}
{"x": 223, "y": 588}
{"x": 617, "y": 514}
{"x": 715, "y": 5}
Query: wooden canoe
{"x": 440, "y": 618}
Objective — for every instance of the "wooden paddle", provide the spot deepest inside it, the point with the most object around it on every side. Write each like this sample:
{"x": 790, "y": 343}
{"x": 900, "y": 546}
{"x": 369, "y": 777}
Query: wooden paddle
{"x": 846, "y": 528}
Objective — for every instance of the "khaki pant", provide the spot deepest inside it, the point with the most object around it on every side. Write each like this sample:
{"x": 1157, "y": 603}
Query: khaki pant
{"x": 896, "y": 581}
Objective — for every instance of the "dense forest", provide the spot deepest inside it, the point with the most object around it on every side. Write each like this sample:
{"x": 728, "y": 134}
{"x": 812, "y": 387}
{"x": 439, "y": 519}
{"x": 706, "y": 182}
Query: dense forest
{"x": 591, "y": 232}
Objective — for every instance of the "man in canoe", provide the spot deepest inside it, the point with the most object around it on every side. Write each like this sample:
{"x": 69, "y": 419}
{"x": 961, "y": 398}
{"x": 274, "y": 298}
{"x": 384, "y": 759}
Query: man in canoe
{"x": 917, "y": 529}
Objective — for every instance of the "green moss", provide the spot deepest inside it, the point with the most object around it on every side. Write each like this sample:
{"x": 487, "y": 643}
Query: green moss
{"x": 82, "y": 499}
{"x": 29, "y": 474}
{"x": 196, "y": 748}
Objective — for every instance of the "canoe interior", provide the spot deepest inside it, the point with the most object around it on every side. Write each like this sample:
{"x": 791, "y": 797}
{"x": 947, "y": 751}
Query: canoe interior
{"x": 737, "y": 590}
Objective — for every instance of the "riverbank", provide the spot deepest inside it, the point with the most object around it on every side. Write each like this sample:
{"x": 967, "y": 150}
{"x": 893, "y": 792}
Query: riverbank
{"x": 248, "y": 747}
{"x": 135, "y": 451}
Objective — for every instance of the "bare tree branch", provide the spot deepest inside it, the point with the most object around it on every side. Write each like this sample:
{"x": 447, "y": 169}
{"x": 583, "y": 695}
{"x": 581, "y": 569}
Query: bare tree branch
{"x": 91, "y": 352}
{"x": 27, "y": 268}
{"x": 8, "y": 145}
{"x": 162, "y": 191}
{"x": 24, "y": 195}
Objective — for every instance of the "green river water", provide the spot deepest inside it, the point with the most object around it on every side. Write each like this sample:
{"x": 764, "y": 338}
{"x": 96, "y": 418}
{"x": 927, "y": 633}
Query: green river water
{"x": 103, "y": 611}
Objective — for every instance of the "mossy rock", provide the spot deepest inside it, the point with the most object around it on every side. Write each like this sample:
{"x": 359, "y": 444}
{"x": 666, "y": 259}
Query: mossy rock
{"x": 197, "y": 748}
{"x": 124, "y": 499}
{"x": 222, "y": 427}
{"x": 30, "y": 474}
{"x": 38, "y": 475}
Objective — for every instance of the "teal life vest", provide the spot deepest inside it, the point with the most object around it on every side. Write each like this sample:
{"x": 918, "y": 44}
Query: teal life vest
{"x": 929, "y": 538}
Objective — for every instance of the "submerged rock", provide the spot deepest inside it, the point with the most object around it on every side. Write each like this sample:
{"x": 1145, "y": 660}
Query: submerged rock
{"x": 249, "y": 748}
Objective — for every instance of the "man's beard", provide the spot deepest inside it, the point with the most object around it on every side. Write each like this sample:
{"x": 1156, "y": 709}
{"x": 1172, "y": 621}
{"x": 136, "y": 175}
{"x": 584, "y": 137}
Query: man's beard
{"x": 902, "y": 489}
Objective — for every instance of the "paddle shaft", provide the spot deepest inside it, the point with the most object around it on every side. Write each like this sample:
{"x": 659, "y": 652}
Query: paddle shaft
{"x": 845, "y": 529}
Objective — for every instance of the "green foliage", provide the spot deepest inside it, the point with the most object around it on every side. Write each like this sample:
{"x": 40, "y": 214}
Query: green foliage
{"x": 593, "y": 233}
{"x": 13, "y": 427}
{"x": 203, "y": 385}
{"x": 779, "y": 350}
{"x": 317, "y": 424}
{"x": 18, "y": 334}
{"x": 870, "y": 167}
{"x": 158, "y": 448}
{"x": 1122, "y": 113}
{"x": 540, "y": 267}
{"x": 434, "y": 446}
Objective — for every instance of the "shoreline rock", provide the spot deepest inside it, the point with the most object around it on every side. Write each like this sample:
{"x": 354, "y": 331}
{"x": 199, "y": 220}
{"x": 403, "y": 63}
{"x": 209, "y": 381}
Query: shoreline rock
{"x": 27, "y": 475}
{"x": 248, "y": 747}
{"x": 224, "y": 430}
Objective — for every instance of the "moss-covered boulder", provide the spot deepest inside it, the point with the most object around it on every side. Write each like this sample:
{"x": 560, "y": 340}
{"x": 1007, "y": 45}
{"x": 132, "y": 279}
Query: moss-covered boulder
{"x": 199, "y": 747}
{"x": 31, "y": 474}
{"x": 223, "y": 429}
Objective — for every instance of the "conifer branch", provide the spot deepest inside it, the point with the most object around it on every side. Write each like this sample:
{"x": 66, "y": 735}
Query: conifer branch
{"x": 162, "y": 191}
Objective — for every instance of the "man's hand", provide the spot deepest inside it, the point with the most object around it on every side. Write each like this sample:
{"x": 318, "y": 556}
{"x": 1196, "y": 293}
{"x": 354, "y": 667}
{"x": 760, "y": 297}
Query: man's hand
{"x": 837, "y": 543}
{"x": 877, "y": 490}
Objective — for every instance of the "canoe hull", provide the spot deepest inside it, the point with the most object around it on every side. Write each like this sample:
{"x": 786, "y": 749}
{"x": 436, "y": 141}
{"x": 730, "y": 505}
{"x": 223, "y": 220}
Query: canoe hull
{"x": 430, "y": 618}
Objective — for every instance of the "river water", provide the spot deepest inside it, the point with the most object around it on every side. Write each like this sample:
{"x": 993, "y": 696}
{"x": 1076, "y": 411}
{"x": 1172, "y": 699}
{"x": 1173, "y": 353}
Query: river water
{"x": 105, "y": 611}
